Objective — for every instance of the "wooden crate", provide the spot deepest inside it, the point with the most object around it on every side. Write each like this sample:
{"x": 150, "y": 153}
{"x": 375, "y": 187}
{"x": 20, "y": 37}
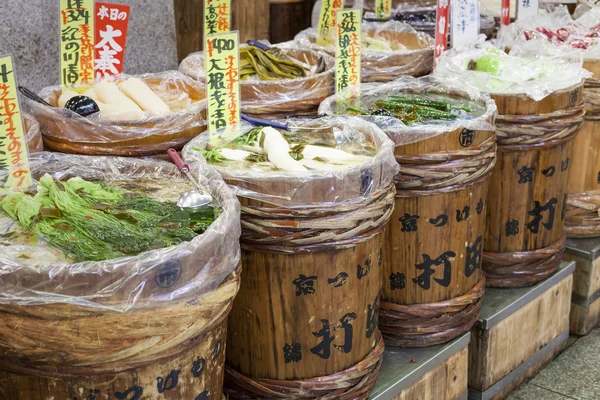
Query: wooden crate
{"x": 518, "y": 333}
{"x": 427, "y": 373}
{"x": 585, "y": 302}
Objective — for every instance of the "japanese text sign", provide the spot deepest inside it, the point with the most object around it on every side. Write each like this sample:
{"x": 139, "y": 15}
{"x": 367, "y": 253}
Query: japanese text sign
{"x": 527, "y": 8}
{"x": 76, "y": 42}
{"x": 347, "y": 52}
{"x": 223, "y": 84}
{"x": 14, "y": 164}
{"x": 327, "y": 19}
{"x": 441, "y": 27}
{"x": 110, "y": 23}
{"x": 383, "y": 9}
{"x": 217, "y": 17}
{"x": 505, "y": 13}
{"x": 465, "y": 22}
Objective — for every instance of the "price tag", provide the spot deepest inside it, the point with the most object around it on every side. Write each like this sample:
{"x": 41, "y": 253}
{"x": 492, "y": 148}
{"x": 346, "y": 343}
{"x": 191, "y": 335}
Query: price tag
{"x": 383, "y": 9}
{"x": 223, "y": 85}
{"x": 527, "y": 9}
{"x": 441, "y": 27}
{"x": 76, "y": 42}
{"x": 110, "y": 22}
{"x": 465, "y": 22}
{"x": 505, "y": 13}
{"x": 217, "y": 17}
{"x": 327, "y": 19}
{"x": 347, "y": 54}
{"x": 14, "y": 164}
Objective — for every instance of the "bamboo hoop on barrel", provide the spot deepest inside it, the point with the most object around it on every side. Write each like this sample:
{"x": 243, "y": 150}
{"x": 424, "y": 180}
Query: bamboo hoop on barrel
{"x": 524, "y": 246}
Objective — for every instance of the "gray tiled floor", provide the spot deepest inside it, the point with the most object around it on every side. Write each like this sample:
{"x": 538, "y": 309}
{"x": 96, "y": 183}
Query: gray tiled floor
{"x": 575, "y": 374}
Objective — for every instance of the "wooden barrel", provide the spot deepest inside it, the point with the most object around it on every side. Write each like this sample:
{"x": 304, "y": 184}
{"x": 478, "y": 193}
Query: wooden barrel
{"x": 305, "y": 322}
{"x": 583, "y": 206}
{"x": 432, "y": 279}
{"x": 66, "y": 132}
{"x": 528, "y": 190}
{"x": 151, "y": 326}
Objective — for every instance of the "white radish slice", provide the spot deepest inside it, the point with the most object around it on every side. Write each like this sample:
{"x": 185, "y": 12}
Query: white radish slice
{"x": 144, "y": 97}
{"x": 235, "y": 155}
{"x": 91, "y": 93}
{"x": 278, "y": 149}
{"x": 333, "y": 155}
{"x": 66, "y": 96}
{"x": 109, "y": 93}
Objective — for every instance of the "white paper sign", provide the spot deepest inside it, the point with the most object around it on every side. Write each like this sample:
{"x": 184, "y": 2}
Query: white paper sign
{"x": 527, "y": 8}
{"x": 465, "y": 22}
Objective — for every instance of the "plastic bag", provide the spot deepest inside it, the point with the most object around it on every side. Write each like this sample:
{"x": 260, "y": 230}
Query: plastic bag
{"x": 33, "y": 134}
{"x": 407, "y": 52}
{"x": 68, "y": 132}
{"x": 500, "y": 73}
{"x": 313, "y": 188}
{"x": 402, "y": 134}
{"x": 148, "y": 280}
{"x": 284, "y": 96}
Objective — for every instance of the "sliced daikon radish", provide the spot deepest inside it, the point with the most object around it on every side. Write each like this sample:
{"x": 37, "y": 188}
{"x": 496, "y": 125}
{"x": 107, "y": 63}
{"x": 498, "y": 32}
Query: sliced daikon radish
{"x": 66, "y": 96}
{"x": 91, "y": 93}
{"x": 234, "y": 155}
{"x": 333, "y": 155}
{"x": 108, "y": 92}
{"x": 277, "y": 149}
{"x": 321, "y": 166}
{"x": 252, "y": 149}
{"x": 144, "y": 97}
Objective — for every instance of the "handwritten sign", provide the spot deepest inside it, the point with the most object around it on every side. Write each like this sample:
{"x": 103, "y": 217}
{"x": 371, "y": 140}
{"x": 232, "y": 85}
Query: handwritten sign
{"x": 14, "y": 164}
{"x": 465, "y": 22}
{"x": 527, "y": 8}
{"x": 327, "y": 19}
{"x": 347, "y": 55}
{"x": 110, "y": 21}
{"x": 505, "y": 13}
{"x": 217, "y": 17}
{"x": 441, "y": 27}
{"x": 76, "y": 42}
{"x": 383, "y": 9}
{"x": 223, "y": 84}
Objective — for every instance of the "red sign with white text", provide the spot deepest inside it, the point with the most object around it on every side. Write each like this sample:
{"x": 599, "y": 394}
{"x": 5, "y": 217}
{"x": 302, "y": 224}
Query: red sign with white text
{"x": 110, "y": 38}
{"x": 441, "y": 27}
{"x": 505, "y": 15}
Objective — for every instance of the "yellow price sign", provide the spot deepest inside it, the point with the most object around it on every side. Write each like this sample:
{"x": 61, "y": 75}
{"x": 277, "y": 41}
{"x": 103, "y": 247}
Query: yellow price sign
{"x": 327, "y": 19}
{"x": 222, "y": 61}
{"x": 76, "y": 42}
{"x": 14, "y": 162}
{"x": 347, "y": 54}
{"x": 383, "y": 9}
{"x": 217, "y": 17}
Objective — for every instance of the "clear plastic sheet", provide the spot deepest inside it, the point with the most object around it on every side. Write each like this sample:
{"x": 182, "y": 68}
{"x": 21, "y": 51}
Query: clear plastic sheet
{"x": 408, "y": 52}
{"x": 402, "y": 134}
{"x": 313, "y": 188}
{"x": 422, "y": 18}
{"x": 534, "y": 76}
{"x": 33, "y": 134}
{"x": 147, "y": 280}
{"x": 540, "y": 35}
{"x": 278, "y": 96}
{"x": 68, "y": 132}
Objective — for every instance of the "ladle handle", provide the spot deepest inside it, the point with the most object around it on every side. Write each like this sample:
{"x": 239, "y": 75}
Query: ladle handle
{"x": 258, "y": 44}
{"x": 264, "y": 122}
{"x": 183, "y": 167}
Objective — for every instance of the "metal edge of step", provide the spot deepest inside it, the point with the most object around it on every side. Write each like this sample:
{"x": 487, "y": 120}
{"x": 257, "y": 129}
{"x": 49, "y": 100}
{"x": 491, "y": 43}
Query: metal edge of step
{"x": 520, "y": 370}
{"x": 407, "y": 380}
{"x": 588, "y": 249}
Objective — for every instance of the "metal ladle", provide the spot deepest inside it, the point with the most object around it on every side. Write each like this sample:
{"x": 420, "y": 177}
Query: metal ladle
{"x": 192, "y": 199}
